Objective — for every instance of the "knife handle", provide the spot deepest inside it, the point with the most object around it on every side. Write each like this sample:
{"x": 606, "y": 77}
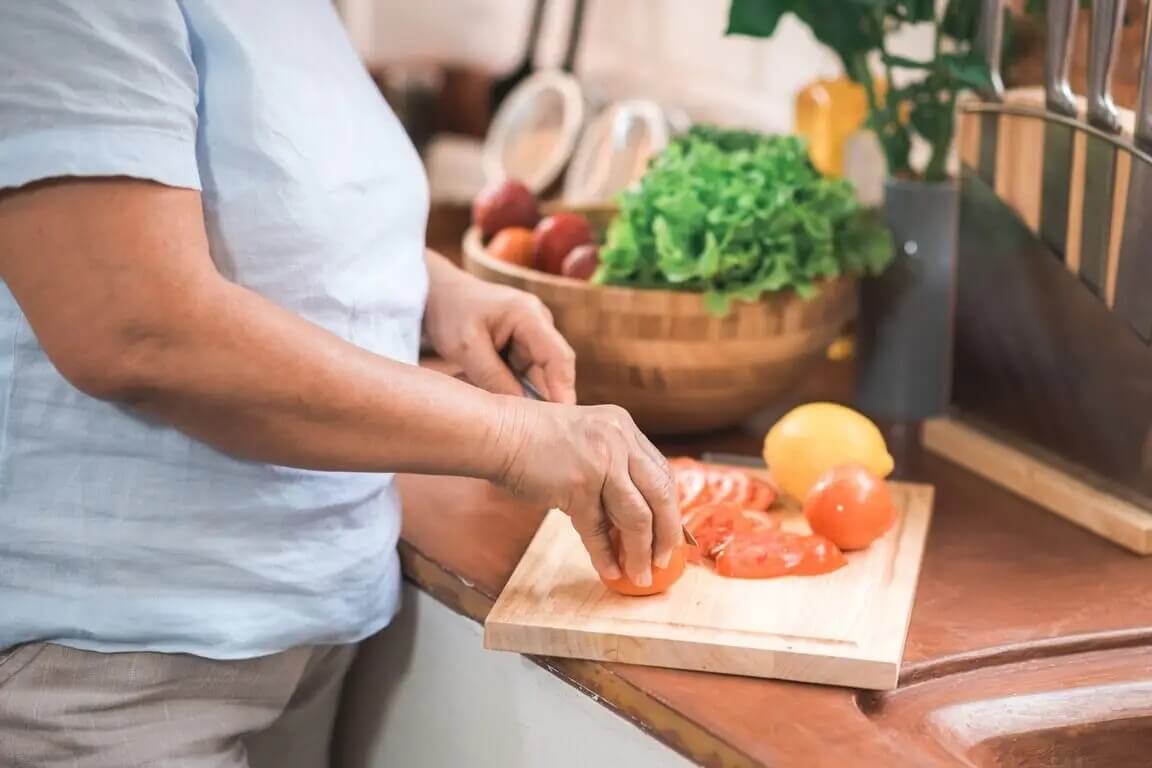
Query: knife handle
{"x": 992, "y": 44}
{"x": 1143, "y": 131}
{"x": 1058, "y": 55}
{"x": 1107, "y": 20}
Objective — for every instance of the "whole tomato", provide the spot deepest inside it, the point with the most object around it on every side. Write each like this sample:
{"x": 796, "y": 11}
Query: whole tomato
{"x": 850, "y": 506}
{"x": 662, "y": 578}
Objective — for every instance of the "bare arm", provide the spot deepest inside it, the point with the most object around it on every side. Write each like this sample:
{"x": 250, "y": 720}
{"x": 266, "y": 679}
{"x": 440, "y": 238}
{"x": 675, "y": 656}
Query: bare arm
{"x": 116, "y": 280}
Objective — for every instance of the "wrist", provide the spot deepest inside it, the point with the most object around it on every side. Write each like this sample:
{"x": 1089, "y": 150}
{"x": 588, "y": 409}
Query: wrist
{"x": 510, "y": 425}
{"x": 444, "y": 278}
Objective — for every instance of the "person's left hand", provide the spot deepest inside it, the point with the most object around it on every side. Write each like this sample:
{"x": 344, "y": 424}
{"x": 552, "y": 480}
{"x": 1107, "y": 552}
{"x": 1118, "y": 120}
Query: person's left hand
{"x": 469, "y": 321}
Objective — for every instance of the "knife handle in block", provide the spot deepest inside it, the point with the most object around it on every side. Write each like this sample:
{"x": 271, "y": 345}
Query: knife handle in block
{"x": 1143, "y": 132}
{"x": 1107, "y": 21}
{"x": 992, "y": 45}
{"x": 1058, "y": 56}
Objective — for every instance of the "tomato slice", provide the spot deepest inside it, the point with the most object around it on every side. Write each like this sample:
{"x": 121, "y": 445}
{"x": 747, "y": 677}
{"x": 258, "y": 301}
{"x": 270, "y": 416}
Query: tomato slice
{"x": 715, "y": 525}
{"x": 692, "y": 488}
{"x": 761, "y": 520}
{"x": 761, "y": 494}
{"x": 728, "y": 485}
{"x": 767, "y": 554}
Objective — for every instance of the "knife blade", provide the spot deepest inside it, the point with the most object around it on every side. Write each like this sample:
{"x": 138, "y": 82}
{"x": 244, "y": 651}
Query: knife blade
{"x": 1134, "y": 271}
{"x": 991, "y": 31}
{"x": 532, "y": 393}
{"x": 1100, "y": 153}
{"x": 1059, "y": 101}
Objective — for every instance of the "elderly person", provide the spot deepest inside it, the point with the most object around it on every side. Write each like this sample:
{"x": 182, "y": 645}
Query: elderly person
{"x": 211, "y": 242}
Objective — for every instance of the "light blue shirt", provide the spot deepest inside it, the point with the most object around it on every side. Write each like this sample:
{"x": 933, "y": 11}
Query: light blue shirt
{"x": 119, "y": 533}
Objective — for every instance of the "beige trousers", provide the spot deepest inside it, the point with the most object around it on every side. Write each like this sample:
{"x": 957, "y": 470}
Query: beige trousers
{"x": 63, "y": 707}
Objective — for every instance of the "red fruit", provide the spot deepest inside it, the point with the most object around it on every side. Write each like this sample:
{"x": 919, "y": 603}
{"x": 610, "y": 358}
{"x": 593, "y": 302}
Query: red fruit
{"x": 850, "y": 506}
{"x": 508, "y": 203}
{"x": 582, "y": 262}
{"x": 556, "y": 236}
{"x": 513, "y": 245}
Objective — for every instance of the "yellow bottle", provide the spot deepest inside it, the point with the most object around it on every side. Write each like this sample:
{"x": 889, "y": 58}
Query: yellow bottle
{"x": 827, "y": 113}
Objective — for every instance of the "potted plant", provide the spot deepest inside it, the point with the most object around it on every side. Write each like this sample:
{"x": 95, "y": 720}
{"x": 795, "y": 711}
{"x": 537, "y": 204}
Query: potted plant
{"x": 904, "y": 329}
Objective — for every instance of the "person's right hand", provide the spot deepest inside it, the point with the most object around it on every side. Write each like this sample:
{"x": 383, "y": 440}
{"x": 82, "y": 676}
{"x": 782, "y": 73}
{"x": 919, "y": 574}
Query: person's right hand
{"x": 593, "y": 463}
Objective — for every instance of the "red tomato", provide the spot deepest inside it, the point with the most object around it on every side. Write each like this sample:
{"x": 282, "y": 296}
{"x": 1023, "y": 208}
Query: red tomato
{"x": 691, "y": 488}
{"x": 662, "y": 578}
{"x": 717, "y": 524}
{"x": 767, "y": 554}
{"x": 762, "y": 521}
{"x": 728, "y": 485}
{"x": 850, "y": 506}
{"x": 761, "y": 495}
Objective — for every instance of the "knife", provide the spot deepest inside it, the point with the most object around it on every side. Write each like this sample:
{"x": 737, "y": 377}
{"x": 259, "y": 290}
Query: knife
{"x": 991, "y": 43}
{"x": 532, "y": 393}
{"x": 1060, "y": 102}
{"x": 1100, "y": 152}
{"x": 1134, "y": 272}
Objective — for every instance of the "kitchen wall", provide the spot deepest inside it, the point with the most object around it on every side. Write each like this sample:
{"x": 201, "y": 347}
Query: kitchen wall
{"x": 673, "y": 50}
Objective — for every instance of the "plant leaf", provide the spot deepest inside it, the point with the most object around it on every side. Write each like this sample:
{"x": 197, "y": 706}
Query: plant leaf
{"x": 968, "y": 69}
{"x": 756, "y": 18}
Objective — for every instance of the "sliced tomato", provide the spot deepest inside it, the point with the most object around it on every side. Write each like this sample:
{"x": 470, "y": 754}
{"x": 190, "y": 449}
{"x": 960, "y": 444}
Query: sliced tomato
{"x": 716, "y": 524}
{"x": 713, "y": 524}
{"x": 728, "y": 485}
{"x": 767, "y": 554}
{"x": 761, "y": 520}
{"x": 692, "y": 488}
{"x": 761, "y": 494}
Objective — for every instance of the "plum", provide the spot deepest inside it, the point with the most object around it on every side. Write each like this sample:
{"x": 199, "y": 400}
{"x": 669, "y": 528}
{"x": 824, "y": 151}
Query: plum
{"x": 581, "y": 262}
{"x": 508, "y": 203}
{"x": 556, "y": 236}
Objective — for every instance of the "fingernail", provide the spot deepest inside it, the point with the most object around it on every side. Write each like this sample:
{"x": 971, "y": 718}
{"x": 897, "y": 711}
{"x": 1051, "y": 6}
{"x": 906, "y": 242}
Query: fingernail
{"x": 645, "y": 578}
{"x": 612, "y": 572}
{"x": 663, "y": 560}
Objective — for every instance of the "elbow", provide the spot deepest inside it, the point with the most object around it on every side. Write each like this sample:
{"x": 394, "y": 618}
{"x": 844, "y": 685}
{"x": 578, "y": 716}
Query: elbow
{"x": 121, "y": 365}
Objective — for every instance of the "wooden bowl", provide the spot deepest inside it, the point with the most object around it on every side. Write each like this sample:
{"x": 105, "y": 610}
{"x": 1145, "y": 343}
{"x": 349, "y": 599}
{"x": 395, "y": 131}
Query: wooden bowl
{"x": 662, "y": 356}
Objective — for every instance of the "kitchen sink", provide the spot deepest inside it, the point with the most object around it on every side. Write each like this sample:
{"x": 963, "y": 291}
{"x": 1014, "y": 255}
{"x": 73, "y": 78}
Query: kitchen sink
{"x": 1087, "y": 709}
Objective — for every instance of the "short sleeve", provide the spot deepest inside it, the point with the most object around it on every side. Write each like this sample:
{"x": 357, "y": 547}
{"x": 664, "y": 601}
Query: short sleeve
{"x": 97, "y": 89}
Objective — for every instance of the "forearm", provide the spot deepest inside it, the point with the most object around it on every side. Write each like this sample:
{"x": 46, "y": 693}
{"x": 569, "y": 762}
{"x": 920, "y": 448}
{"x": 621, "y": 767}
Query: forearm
{"x": 259, "y": 383}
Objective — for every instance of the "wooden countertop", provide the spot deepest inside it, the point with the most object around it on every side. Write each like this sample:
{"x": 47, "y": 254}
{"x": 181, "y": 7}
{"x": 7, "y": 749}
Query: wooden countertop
{"x": 1004, "y": 585}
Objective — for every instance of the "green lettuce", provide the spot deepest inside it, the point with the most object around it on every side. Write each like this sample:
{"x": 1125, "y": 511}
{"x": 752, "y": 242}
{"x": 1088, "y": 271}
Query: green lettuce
{"x": 735, "y": 214}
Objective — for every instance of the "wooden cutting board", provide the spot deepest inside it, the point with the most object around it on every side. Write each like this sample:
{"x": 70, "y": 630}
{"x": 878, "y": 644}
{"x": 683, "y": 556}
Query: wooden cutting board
{"x": 843, "y": 628}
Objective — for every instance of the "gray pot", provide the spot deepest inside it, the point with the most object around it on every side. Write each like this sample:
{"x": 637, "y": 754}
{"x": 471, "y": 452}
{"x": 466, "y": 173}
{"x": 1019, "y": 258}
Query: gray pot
{"x": 904, "y": 331}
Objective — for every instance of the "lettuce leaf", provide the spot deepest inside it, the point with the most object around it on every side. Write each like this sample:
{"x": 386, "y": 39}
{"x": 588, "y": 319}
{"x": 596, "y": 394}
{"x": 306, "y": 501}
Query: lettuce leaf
{"x": 734, "y": 214}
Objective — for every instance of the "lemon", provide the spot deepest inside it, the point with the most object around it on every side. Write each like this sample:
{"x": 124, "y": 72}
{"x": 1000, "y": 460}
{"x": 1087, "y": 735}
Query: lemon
{"x": 811, "y": 439}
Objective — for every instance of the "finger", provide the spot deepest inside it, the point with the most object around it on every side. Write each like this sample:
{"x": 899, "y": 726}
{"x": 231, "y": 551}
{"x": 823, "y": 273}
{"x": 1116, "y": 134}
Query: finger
{"x": 522, "y": 365}
{"x": 483, "y": 364}
{"x": 628, "y": 510}
{"x": 548, "y": 352}
{"x": 596, "y": 538}
{"x": 654, "y": 481}
{"x": 658, "y": 485}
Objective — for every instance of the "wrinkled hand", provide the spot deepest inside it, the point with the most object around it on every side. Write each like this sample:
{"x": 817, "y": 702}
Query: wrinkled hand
{"x": 596, "y": 465}
{"x": 469, "y": 321}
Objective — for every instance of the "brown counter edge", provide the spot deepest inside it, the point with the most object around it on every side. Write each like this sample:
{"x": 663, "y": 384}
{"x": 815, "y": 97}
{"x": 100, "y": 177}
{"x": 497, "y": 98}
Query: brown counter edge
{"x": 593, "y": 678}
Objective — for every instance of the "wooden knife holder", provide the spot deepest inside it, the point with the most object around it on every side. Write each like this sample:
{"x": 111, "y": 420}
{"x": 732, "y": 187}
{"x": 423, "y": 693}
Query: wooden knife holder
{"x": 1052, "y": 390}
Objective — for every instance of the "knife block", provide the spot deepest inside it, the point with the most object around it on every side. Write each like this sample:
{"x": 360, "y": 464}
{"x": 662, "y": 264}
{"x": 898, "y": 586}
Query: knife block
{"x": 1052, "y": 389}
